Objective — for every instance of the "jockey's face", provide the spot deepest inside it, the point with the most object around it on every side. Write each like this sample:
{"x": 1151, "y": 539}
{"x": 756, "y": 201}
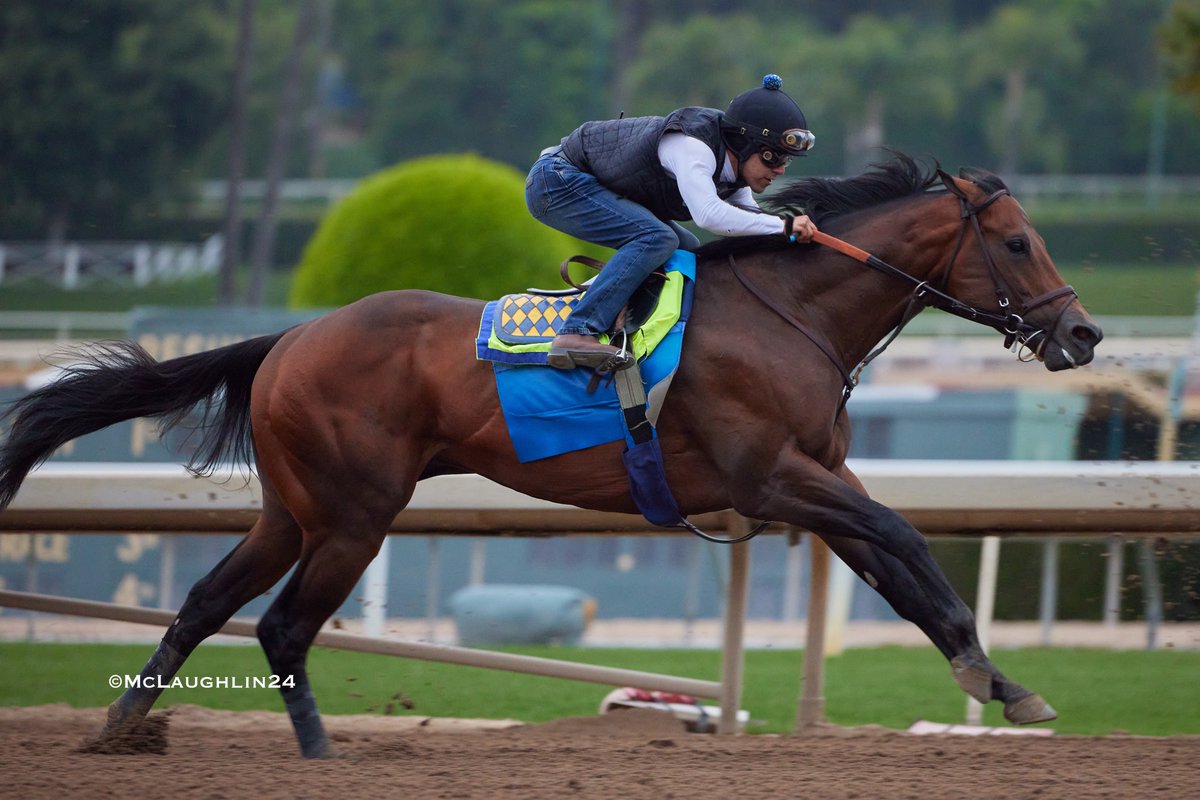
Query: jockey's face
{"x": 758, "y": 174}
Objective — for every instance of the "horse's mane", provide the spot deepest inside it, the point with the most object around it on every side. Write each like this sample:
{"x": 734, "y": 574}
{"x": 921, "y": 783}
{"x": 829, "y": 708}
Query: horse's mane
{"x": 828, "y": 198}
{"x": 824, "y": 199}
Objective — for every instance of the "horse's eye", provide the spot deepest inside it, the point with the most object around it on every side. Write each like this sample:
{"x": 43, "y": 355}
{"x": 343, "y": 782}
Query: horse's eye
{"x": 1017, "y": 245}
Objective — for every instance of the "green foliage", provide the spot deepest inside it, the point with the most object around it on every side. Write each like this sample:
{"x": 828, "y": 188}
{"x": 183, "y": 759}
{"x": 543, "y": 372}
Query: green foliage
{"x": 500, "y": 79}
{"x": 456, "y": 224}
{"x": 1181, "y": 45}
{"x": 674, "y": 53}
{"x": 102, "y": 109}
{"x": 1096, "y": 692}
{"x": 104, "y": 114}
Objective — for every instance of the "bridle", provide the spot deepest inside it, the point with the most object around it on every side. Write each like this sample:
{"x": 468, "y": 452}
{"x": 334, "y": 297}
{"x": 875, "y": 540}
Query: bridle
{"x": 1018, "y": 334}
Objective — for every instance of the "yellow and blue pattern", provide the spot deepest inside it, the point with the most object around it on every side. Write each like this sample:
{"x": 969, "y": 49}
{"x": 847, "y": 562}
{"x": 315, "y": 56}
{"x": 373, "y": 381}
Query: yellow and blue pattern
{"x": 550, "y": 411}
{"x": 529, "y": 318}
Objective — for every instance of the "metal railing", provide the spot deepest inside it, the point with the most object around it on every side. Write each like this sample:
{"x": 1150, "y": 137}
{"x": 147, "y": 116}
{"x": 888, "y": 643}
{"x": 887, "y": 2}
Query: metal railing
{"x": 82, "y": 265}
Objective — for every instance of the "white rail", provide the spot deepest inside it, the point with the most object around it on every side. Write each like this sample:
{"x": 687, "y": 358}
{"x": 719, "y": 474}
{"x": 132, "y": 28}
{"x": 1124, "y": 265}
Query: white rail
{"x": 939, "y": 497}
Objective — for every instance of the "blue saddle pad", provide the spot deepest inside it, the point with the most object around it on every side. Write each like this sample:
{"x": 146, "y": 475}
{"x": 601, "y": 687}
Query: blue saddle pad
{"x": 549, "y": 411}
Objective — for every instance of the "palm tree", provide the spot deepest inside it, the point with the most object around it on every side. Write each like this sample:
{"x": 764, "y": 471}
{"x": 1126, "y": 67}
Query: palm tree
{"x": 876, "y": 70}
{"x": 231, "y": 249}
{"x": 1020, "y": 44}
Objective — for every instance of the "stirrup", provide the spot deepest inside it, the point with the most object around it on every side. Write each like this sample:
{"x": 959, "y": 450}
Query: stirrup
{"x": 599, "y": 360}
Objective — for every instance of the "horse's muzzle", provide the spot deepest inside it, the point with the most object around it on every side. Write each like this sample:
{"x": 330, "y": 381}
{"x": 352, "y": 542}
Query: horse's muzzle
{"x": 1073, "y": 343}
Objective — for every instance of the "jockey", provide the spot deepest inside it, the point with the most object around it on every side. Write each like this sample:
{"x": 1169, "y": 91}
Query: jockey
{"x": 625, "y": 183}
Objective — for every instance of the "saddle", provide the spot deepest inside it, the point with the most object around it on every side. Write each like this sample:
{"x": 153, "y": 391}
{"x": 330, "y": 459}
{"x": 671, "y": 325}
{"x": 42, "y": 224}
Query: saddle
{"x": 519, "y": 328}
{"x": 536, "y": 315}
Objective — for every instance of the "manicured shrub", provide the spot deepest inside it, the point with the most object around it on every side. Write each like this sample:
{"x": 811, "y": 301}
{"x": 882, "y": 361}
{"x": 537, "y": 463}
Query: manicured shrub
{"x": 450, "y": 223}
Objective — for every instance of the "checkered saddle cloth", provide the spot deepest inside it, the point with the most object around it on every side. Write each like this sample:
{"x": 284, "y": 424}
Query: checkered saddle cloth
{"x": 531, "y": 318}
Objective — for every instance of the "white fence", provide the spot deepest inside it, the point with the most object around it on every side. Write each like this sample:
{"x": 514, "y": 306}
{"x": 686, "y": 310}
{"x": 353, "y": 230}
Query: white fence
{"x": 82, "y": 265}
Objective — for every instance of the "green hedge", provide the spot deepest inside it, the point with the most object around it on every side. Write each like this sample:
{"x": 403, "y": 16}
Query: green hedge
{"x": 452, "y": 223}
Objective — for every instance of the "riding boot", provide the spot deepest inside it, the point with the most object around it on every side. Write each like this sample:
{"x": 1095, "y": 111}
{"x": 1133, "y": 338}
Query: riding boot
{"x": 570, "y": 350}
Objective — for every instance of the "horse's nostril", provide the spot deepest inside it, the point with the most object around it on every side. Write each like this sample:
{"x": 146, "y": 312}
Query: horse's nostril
{"x": 1087, "y": 334}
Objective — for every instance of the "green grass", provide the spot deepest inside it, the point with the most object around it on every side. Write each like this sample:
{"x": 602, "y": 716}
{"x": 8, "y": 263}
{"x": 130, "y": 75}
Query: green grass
{"x": 1149, "y": 289}
{"x": 1095, "y": 691}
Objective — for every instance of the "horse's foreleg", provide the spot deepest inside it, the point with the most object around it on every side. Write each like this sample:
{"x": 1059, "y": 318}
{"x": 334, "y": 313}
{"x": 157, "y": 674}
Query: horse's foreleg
{"x": 252, "y": 567}
{"x": 894, "y": 558}
{"x": 321, "y": 583}
{"x": 950, "y": 626}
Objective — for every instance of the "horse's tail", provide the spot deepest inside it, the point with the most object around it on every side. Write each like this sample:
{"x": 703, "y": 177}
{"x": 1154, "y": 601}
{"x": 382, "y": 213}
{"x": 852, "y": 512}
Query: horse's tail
{"x": 117, "y": 381}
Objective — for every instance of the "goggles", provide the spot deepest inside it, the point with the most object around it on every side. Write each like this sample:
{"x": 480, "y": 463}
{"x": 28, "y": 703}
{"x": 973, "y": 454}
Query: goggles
{"x": 797, "y": 140}
{"x": 778, "y": 151}
{"x": 773, "y": 159}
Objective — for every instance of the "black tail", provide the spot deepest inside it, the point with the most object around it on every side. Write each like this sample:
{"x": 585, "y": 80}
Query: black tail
{"x": 118, "y": 381}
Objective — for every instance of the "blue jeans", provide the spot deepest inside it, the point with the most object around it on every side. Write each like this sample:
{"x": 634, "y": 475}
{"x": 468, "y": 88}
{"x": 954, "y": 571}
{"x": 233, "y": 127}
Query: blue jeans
{"x": 572, "y": 201}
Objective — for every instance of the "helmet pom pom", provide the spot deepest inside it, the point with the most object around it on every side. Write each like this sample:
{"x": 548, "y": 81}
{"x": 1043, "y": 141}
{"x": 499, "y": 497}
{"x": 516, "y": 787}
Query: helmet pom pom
{"x": 772, "y": 81}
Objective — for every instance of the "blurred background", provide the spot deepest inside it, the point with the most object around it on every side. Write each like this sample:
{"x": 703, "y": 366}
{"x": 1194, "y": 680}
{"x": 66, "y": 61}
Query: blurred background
{"x": 186, "y": 174}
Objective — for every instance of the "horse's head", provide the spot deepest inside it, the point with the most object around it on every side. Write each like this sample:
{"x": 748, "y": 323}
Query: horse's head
{"x": 1000, "y": 264}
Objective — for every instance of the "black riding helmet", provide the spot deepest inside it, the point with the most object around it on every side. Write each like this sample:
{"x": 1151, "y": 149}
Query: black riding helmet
{"x": 768, "y": 122}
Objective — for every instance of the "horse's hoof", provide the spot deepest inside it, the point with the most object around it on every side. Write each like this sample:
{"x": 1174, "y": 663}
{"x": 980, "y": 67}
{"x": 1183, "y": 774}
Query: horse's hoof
{"x": 325, "y": 753}
{"x": 973, "y": 680}
{"x": 1028, "y": 710}
{"x": 129, "y": 736}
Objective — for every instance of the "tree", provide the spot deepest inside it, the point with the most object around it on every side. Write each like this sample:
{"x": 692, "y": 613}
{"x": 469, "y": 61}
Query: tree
{"x": 1023, "y": 44}
{"x": 502, "y": 79}
{"x": 285, "y": 123}
{"x": 232, "y": 229}
{"x": 701, "y": 61}
{"x": 874, "y": 72}
{"x": 1181, "y": 45}
{"x": 103, "y": 107}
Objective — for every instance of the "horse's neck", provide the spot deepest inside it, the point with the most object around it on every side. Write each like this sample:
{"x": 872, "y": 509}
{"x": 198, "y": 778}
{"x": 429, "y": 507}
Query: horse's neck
{"x": 917, "y": 239}
{"x": 852, "y": 305}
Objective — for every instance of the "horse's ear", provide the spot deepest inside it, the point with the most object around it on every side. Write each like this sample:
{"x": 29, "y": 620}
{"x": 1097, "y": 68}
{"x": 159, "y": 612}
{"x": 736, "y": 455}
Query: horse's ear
{"x": 949, "y": 182}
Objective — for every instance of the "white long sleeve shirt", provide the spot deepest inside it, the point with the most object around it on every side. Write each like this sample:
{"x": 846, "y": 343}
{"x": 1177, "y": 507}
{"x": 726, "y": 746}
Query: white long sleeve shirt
{"x": 692, "y": 164}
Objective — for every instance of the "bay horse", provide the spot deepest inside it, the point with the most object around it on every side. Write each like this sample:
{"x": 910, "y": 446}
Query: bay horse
{"x": 345, "y": 413}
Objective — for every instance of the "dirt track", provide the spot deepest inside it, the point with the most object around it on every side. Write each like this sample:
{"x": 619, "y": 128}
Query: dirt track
{"x": 632, "y": 754}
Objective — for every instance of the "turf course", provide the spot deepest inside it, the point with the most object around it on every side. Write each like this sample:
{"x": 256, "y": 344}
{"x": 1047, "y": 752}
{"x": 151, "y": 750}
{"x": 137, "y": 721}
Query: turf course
{"x": 1096, "y": 692}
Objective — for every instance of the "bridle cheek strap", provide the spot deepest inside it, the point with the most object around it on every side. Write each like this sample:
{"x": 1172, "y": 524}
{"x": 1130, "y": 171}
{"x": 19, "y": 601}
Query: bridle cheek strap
{"x": 1017, "y": 332}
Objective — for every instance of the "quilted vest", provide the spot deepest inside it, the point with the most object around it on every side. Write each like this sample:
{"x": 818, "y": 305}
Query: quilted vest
{"x": 623, "y": 155}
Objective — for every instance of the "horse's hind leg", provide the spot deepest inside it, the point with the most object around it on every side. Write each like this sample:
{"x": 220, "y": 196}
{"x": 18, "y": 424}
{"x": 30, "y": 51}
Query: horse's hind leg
{"x": 251, "y": 568}
{"x": 950, "y": 626}
{"x": 322, "y": 581}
